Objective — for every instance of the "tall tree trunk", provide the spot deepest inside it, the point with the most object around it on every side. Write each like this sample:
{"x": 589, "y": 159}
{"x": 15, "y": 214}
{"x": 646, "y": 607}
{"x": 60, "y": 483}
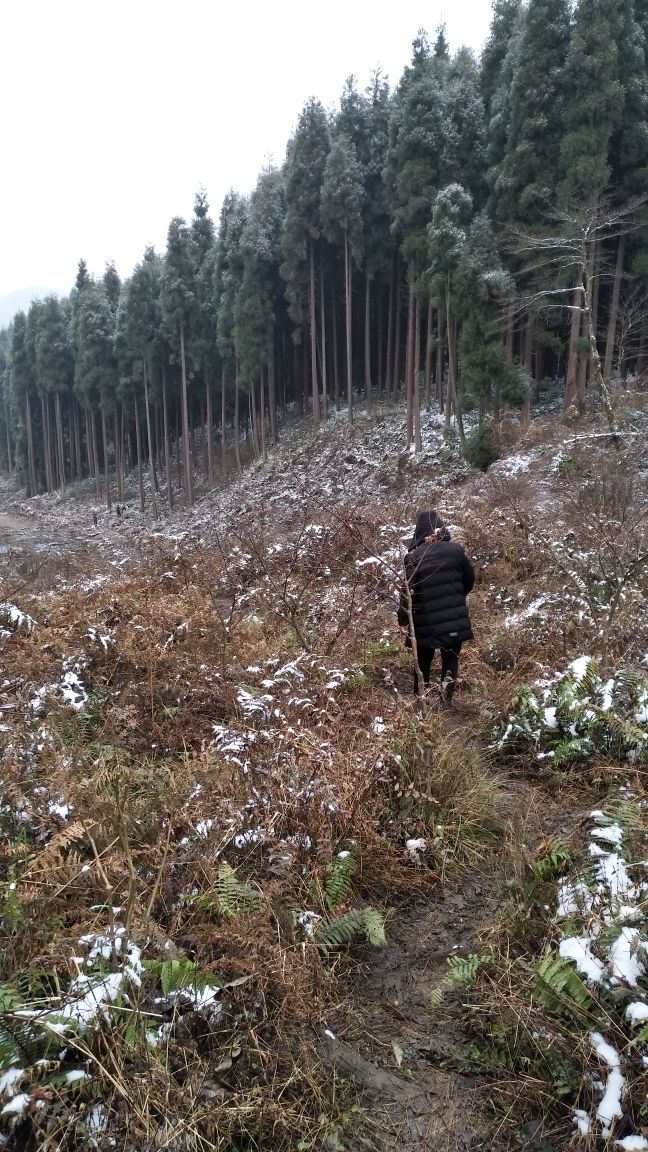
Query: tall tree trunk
{"x": 596, "y": 282}
{"x": 416, "y": 377}
{"x": 323, "y": 342}
{"x": 47, "y": 455}
{"x": 223, "y": 418}
{"x": 138, "y": 443}
{"x": 367, "y": 343}
{"x": 186, "y": 454}
{"x": 210, "y": 434}
{"x": 527, "y": 360}
{"x": 59, "y": 440}
{"x": 167, "y": 440}
{"x": 158, "y": 437}
{"x": 253, "y": 416}
{"x": 597, "y": 373}
{"x": 313, "y": 337}
{"x": 347, "y": 314}
{"x": 409, "y": 360}
{"x": 455, "y": 382}
{"x": 571, "y": 375}
{"x": 453, "y": 397}
{"x": 237, "y": 415}
{"x": 379, "y": 297}
{"x": 264, "y": 449}
{"x": 303, "y": 403}
{"x": 429, "y": 349}
{"x": 614, "y": 312}
{"x": 31, "y": 466}
{"x": 642, "y": 355}
{"x": 390, "y": 335}
{"x": 202, "y": 433}
{"x": 397, "y": 330}
{"x": 336, "y": 350}
{"x": 149, "y": 437}
{"x": 288, "y": 374}
{"x": 583, "y": 365}
{"x": 104, "y": 437}
{"x": 78, "y": 460}
{"x": 272, "y": 385}
{"x": 88, "y": 443}
{"x": 95, "y": 453}
{"x": 10, "y": 467}
{"x": 118, "y": 454}
{"x": 439, "y": 360}
{"x": 179, "y": 464}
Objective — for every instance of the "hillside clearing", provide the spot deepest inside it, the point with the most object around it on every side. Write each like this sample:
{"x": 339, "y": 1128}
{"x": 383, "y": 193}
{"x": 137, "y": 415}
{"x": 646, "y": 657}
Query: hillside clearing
{"x": 255, "y": 894}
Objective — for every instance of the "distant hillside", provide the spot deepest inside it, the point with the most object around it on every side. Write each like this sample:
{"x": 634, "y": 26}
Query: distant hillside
{"x": 20, "y": 299}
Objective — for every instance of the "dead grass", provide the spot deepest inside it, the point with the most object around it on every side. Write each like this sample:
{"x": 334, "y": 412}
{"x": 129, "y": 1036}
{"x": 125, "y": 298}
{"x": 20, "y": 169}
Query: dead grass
{"x": 243, "y": 710}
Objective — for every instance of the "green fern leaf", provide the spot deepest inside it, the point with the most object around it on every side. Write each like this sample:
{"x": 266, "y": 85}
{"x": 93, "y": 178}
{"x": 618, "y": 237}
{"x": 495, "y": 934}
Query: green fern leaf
{"x": 337, "y": 883}
{"x": 464, "y": 969}
{"x": 374, "y": 926}
{"x": 340, "y": 931}
{"x": 233, "y": 897}
{"x": 560, "y": 990}
{"x": 357, "y": 924}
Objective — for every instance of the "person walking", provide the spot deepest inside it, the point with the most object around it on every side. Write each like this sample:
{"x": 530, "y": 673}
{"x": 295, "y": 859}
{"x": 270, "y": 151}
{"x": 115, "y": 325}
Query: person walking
{"x": 438, "y": 578}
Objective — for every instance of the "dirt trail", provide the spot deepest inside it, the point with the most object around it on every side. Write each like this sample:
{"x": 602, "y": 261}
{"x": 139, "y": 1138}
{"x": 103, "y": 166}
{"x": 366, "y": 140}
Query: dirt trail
{"x": 435, "y": 1101}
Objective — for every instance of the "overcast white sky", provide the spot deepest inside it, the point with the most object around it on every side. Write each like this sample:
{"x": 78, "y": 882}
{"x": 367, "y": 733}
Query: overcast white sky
{"x": 114, "y": 112}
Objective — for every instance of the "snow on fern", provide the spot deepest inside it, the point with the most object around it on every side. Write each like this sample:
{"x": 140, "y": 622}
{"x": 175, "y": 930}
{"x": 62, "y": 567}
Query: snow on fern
{"x": 606, "y": 943}
{"x": 16, "y": 620}
{"x": 579, "y": 714}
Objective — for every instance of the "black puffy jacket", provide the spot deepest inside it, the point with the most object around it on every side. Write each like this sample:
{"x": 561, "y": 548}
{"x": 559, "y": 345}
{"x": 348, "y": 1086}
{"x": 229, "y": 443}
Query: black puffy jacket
{"x": 439, "y": 576}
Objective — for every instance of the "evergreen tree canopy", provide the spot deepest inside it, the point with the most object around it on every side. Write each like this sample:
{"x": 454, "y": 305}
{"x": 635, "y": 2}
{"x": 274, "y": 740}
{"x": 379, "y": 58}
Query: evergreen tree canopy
{"x": 503, "y": 24}
{"x": 260, "y": 245}
{"x": 178, "y": 282}
{"x": 525, "y": 187}
{"x": 465, "y": 144}
{"x": 54, "y": 360}
{"x": 95, "y": 364}
{"x": 343, "y": 194}
{"x": 594, "y": 100}
{"x": 228, "y": 271}
{"x": 418, "y": 132}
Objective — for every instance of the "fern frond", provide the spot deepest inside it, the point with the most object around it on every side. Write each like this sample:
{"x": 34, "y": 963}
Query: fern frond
{"x": 340, "y": 931}
{"x": 337, "y": 883}
{"x": 51, "y": 853}
{"x": 571, "y": 749}
{"x": 177, "y": 973}
{"x": 358, "y": 923}
{"x": 462, "y": 971}
{"x": 560, "y": 990}
{"x": 233, "y": 897}
{"x": 374, "y": 926}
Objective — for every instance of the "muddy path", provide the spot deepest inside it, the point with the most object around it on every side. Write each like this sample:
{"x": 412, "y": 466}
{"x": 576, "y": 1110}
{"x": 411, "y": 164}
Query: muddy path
{"x": 412, "y": 1058}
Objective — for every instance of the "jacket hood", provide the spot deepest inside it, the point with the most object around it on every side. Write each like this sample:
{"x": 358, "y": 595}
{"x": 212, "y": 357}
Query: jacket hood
{"x": 426, "y": 524}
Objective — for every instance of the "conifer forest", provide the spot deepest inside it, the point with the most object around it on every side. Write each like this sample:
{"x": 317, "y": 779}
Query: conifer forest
{"x": 460, "y": 239}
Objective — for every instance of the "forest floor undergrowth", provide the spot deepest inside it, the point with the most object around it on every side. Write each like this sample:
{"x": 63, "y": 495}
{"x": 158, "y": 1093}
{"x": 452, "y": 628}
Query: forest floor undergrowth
{"x": 253, "y": 893}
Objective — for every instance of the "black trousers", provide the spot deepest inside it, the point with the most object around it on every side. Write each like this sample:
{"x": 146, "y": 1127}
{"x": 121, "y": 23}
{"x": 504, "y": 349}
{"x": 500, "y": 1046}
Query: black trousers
{"x": 449, "y": 664}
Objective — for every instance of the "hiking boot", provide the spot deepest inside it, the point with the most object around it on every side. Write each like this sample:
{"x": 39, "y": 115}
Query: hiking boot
{"x": 448, "y": 686}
